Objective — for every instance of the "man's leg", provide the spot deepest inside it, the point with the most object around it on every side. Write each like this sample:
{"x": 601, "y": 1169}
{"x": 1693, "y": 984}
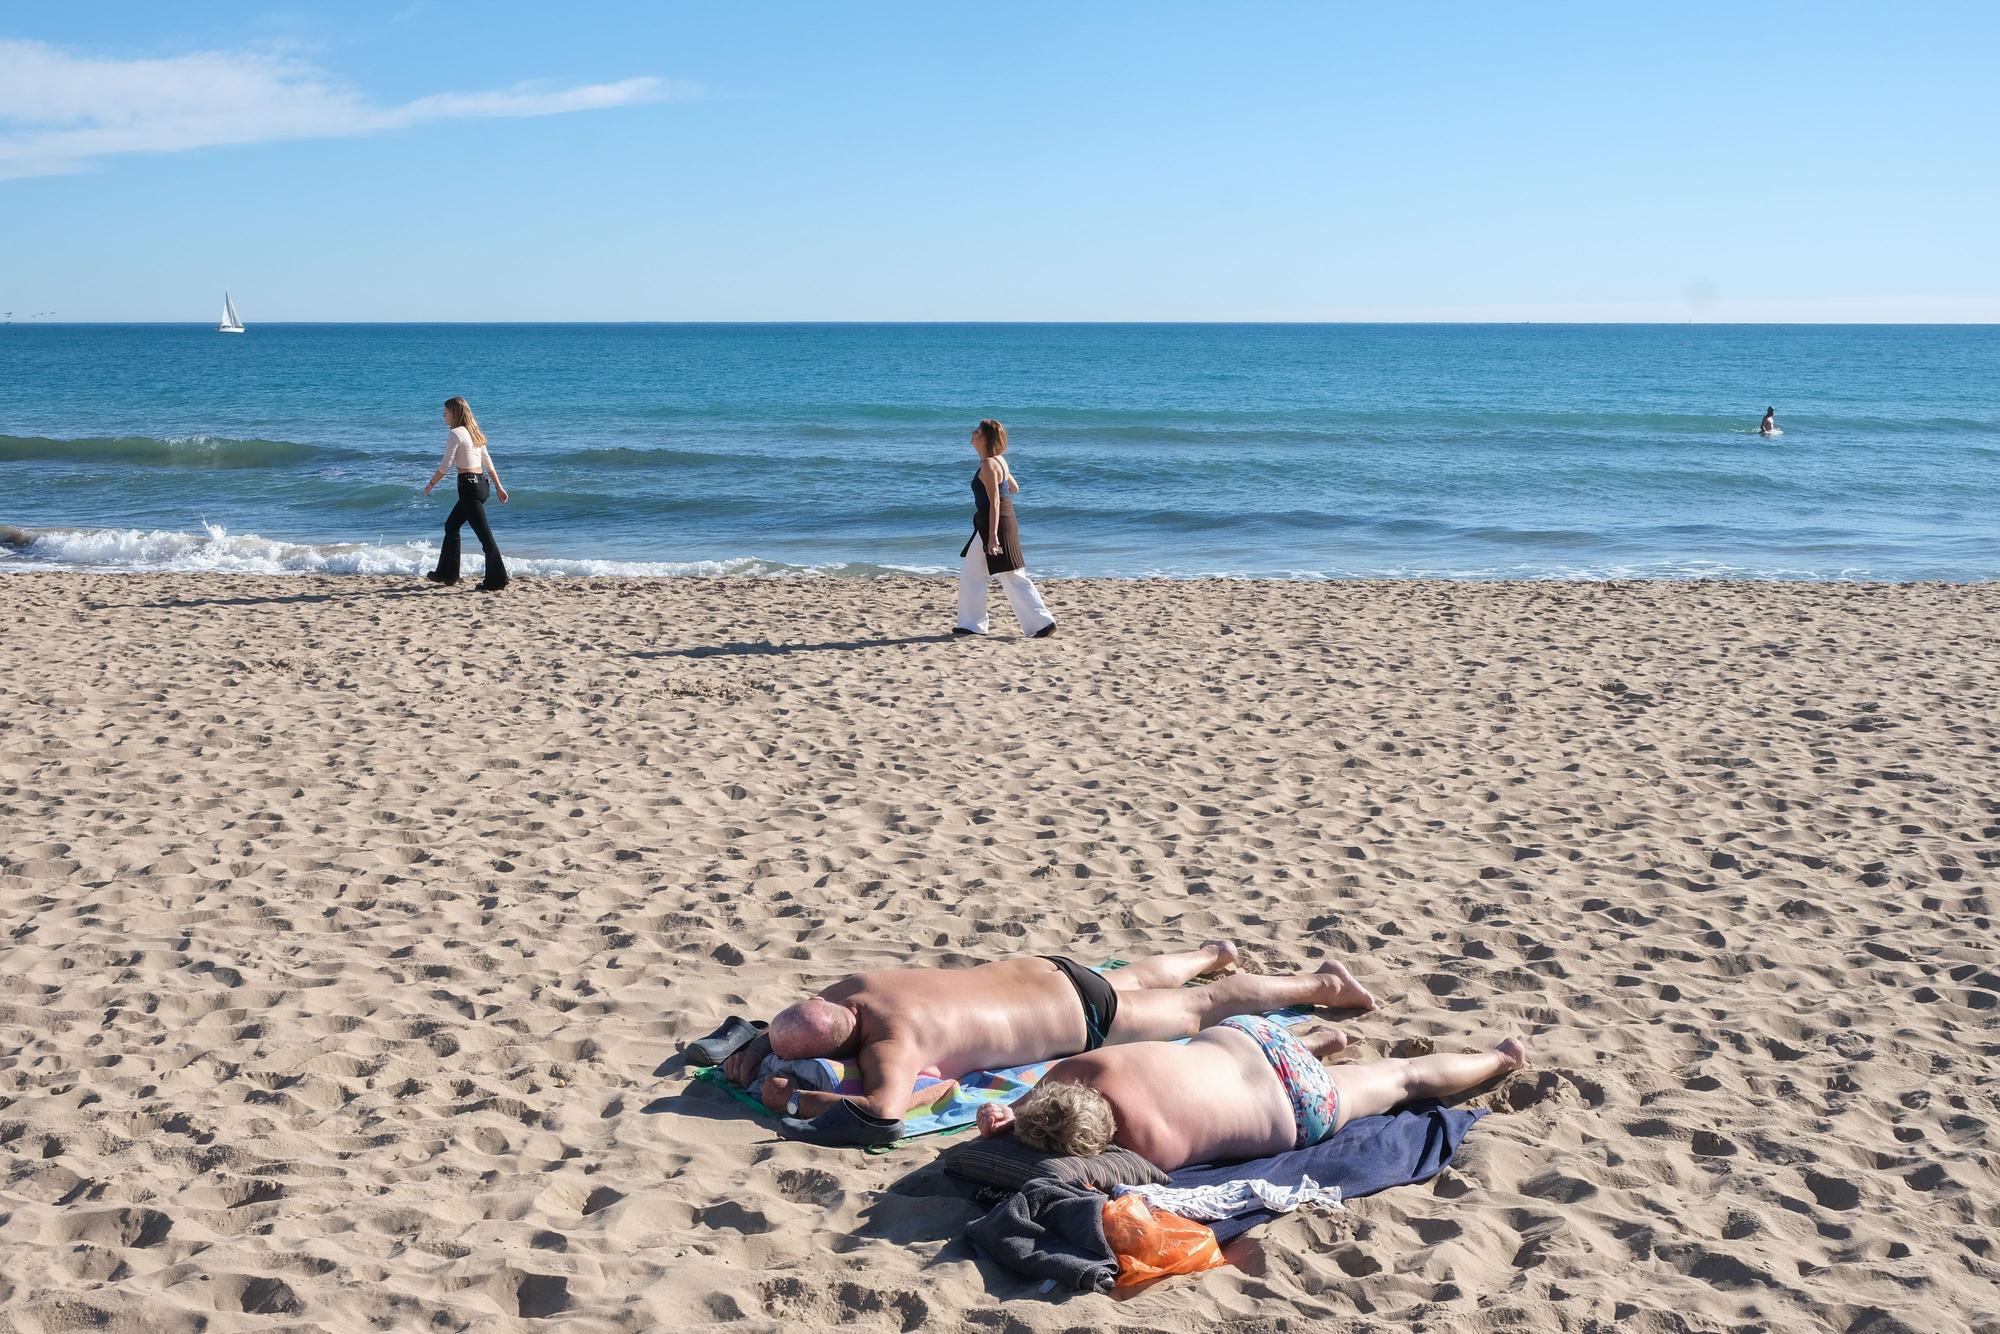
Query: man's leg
{"x": 1381, "y": 1086}
{"x": 1162, "y": 1014}
{"x": 1173, "y": 970}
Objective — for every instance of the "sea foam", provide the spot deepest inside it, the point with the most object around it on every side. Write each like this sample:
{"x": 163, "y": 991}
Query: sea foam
{"x": 216, "y": 550}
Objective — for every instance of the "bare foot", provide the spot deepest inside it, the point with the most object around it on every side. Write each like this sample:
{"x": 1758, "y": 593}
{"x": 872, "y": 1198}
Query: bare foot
{"x": 1342, "y": 991}
{"x": 1516, "y": 1052}
{"x": 1225, "y": 956}
{"x": 1326, "y": 1042}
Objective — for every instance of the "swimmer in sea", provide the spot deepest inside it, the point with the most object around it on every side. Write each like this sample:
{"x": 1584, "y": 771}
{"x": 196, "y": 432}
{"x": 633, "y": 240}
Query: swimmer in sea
{"x": 1769, "y": 426}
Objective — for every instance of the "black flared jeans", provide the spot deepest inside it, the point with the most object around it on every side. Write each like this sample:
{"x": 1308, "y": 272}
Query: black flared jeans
{"x": 471, "y": 509}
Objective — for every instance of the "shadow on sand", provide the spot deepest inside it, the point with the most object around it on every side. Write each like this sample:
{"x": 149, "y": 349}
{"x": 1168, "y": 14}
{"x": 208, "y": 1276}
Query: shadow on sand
{"x": 277, "y": 599}
{"x": 765, "y": 648}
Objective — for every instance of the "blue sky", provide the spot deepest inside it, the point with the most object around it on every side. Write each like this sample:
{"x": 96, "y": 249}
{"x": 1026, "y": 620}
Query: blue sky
{"x": 647, "y": 161}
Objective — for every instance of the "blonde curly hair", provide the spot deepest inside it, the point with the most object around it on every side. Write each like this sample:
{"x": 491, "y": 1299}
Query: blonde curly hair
{"x": 1070, "y": 1119}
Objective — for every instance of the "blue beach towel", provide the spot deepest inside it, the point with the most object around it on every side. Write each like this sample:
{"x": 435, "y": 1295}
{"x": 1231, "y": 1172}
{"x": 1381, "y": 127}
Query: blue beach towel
{"x": 1371, "y": 1154}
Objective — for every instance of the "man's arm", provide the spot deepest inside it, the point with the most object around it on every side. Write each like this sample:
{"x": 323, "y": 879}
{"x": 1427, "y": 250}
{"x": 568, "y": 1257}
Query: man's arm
{"x": 741, "y": 1068}
{"x": 889, "y": 1073}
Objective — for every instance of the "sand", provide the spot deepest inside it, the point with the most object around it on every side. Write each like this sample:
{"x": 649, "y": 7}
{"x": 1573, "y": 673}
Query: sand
{"x": 350, "y": 928}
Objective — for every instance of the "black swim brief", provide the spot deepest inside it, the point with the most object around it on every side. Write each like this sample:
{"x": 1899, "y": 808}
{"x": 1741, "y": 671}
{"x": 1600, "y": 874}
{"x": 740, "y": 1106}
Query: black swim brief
{"x": 1097, "y": 996}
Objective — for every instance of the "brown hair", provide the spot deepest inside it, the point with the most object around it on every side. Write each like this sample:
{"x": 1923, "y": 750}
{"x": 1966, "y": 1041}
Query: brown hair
{"x": 459, "y": 413}
{"x": 992, "y": 438}
{"x": 1065, "y": 1118}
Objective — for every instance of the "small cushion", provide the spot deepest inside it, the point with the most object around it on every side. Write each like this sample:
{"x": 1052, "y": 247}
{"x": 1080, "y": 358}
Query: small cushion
{"x": 1005, "y": 1161}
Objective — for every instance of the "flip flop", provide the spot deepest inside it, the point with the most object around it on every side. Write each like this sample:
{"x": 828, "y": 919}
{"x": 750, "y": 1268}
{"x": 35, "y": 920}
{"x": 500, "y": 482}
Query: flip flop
{"x": 733, "y": 1036}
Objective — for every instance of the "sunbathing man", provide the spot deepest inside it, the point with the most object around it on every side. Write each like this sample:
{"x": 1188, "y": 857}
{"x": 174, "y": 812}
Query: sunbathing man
{"x": 948, "y": 1022}
{"x": 1244, "y": 1089}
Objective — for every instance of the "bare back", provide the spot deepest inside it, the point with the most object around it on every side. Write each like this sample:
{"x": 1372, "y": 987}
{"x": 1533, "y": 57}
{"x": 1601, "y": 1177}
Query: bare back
{"x": 1212, "y": 1099}
{"x": 959, "y": 1020}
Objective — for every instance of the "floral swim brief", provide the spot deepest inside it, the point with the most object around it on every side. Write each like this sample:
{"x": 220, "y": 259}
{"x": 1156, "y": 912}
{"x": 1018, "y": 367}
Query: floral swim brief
{"x": 1315, "y": 1102}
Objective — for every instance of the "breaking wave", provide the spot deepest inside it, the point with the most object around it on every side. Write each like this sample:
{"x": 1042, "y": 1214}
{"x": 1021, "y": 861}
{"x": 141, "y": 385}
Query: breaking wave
{"x": 216, "y": 550}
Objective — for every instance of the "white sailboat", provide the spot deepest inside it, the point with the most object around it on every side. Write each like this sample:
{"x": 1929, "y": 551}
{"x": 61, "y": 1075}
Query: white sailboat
{"x": 231, "y": 321}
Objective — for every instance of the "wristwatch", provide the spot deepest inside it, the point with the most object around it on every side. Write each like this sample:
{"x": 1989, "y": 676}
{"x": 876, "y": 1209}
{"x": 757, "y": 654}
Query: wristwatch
{"x": 792, "y": 1104}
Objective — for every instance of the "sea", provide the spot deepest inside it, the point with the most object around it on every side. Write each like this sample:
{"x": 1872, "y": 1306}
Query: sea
{"x": 1182, "y": 450}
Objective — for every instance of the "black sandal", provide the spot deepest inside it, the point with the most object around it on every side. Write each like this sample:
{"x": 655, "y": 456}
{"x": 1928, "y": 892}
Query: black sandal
{"x": 733, "y": 1036}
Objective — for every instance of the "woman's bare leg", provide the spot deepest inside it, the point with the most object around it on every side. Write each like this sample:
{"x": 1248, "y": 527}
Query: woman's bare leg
{"x": 1380, "y": 1086}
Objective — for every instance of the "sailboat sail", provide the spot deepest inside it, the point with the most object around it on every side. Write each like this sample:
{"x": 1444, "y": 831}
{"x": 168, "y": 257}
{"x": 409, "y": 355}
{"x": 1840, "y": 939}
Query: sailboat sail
{"x": 231, "y": 322}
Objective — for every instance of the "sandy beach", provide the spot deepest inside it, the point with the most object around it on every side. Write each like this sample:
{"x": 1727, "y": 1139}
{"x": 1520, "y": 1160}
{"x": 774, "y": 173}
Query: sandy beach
{"x": 351, "y": 927}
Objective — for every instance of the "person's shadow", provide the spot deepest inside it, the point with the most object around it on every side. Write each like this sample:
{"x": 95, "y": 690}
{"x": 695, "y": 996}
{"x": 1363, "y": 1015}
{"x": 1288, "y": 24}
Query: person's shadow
{"x": 765, "y": 648}
{"x": 344, "y": 595}
{"x": 697, "y": 1097}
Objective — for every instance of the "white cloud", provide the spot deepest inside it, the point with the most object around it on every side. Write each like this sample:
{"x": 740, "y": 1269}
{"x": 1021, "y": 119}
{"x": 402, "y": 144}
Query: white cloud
{"x": 58, "y": 111}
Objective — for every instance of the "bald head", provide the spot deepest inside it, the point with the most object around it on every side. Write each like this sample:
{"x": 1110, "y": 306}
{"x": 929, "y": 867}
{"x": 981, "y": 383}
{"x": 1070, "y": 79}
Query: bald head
{"x": 813, "y": 1027}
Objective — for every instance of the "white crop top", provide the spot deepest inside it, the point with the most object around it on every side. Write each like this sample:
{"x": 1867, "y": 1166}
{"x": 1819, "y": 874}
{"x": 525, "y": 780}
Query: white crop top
{"x": 461, "y": 453}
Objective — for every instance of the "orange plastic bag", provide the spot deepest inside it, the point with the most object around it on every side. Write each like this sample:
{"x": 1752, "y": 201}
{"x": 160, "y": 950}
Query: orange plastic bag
{"x": 1150, "y": 1243}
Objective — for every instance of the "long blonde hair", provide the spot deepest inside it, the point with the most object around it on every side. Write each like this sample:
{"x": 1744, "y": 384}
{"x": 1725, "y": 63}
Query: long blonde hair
{"x": 459, "y": 413}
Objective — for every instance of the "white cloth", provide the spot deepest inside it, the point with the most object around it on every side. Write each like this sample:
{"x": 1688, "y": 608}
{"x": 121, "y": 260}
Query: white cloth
{"x": 1205, "y": 1204}
{"x": 461, "y": 453}
{"x": 973, "y": 582}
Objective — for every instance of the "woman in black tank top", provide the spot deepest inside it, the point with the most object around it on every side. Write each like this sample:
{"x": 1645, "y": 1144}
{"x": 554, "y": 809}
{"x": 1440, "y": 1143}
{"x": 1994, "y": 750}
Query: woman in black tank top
{"x": 994, "y": 549}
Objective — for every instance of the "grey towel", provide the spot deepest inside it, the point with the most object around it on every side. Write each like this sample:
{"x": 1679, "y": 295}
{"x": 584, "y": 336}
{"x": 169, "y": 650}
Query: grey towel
{"x": 1050, "y": 1230}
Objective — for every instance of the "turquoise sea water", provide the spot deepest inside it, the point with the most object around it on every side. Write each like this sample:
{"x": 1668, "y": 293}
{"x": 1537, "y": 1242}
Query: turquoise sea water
{"x": 1479, "y": 451}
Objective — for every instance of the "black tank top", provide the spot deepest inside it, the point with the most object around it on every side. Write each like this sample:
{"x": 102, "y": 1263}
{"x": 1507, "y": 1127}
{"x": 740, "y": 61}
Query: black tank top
{"x": 1010, "y": 557}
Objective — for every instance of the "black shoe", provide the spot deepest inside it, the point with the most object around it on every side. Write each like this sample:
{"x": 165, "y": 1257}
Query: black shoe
{"x": 437, "y": 578}
{"x": 734, "y": 1035}
{"x": 1047, "y": 631}
{"x": 491, "y": 588}
{"x": 961, "y": 630}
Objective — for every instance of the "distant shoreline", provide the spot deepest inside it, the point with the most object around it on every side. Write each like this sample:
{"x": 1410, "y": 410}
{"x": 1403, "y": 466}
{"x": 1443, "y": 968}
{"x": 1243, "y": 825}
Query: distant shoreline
{"x": 1187, "y": 582}
{"x": 209, "y": 324}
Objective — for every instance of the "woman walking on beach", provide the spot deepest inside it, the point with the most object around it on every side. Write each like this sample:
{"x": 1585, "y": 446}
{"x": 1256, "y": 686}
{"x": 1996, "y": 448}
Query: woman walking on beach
{"x": 995, "y": 545}
{"x": 465, "y": 449}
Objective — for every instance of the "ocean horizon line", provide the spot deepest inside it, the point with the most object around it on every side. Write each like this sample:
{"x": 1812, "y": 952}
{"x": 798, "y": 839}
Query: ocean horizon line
{"x": 1024, "y": 323}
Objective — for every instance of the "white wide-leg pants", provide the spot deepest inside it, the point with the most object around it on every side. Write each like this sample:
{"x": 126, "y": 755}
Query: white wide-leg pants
{"x": 1020, "y": 590}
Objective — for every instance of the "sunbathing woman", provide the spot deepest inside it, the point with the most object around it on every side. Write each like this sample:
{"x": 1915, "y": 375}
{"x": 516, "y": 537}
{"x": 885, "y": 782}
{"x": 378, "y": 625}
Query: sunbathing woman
{"x": 1245, "y": 1089}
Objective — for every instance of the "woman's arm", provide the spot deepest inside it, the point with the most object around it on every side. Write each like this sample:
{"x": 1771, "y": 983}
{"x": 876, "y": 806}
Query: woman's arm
{"x": 494, "y": 473}
{"x": 989, "y": 473}
{"x": 994, "y": 1119}
{"x": 444, "y": 464}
